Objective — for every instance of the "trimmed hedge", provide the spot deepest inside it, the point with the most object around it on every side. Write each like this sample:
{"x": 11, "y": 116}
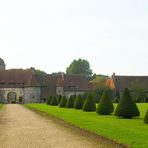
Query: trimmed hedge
{"x": 105, "y": 106}
{"x": 146, "y": 117}
{"x": 70, "y": 101}
{"x": 127, "y": 108}
{"x": 79, "y": 101}
{"x": 116, "y": 99}
{"x": 54, "y": 101}
{"x": 63, "y": 101}
{"x": 89, "y": 104}
{"x": 59, "y": 98}
{"x": 49, "y": 100}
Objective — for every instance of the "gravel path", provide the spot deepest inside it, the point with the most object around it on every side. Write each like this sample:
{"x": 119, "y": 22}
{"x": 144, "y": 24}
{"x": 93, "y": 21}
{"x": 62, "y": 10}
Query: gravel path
{"x": 22, "y": 128}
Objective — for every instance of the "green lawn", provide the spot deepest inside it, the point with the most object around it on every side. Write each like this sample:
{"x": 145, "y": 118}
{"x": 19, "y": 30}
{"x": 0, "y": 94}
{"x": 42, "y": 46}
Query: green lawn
{"x": 132, "y": 132}
{"x": 0, "y": 105}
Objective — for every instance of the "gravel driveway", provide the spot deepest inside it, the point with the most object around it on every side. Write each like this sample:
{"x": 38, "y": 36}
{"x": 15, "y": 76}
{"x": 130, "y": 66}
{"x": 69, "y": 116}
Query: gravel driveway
{"x": 22, "y": 128}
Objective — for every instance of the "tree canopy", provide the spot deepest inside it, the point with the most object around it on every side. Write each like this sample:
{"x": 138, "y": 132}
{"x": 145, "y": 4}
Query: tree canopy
{"x": 80, "y": 66}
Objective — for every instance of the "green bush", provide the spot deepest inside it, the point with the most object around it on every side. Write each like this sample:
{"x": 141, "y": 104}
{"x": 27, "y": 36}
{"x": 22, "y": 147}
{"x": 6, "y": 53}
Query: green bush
{"x": 48, "y": 100}
{"x": 146, "y": 117}
{"x": 78, "y": 104}
{"x": 95, "y": 96}
{"x": 54, "y": 101}
{"x": 85, "y": 95}
{"x": 59, "y": 98}
{"x": 89, "y": 104}
{"x": 63, "y": 101}
{"x": 127, "y": 108}
{"x": 70, "y": 101}
{"x": 116, "y": 99}
{"x": 105, "y": 106}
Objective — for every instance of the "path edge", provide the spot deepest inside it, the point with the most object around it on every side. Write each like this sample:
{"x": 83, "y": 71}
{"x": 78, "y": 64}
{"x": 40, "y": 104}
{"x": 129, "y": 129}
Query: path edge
{"x": 72, "y": 126}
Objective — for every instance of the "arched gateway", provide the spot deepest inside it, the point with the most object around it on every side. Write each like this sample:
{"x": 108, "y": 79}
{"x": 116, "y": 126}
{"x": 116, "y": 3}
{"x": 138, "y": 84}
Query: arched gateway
{"x": 11, "y": 97}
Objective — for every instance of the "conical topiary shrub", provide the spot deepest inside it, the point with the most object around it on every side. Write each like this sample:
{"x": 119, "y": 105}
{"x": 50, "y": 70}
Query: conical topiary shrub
{"x": 85, "y": 95}
{"x": 78, "y": 104}
{"x": 63, "y": 101}
{"x": 70, "y": 101}
{"x": 105, "y": 106}
{"x": 146, "y": 117}
{"x": 89, "y": 104}
{"x": 48, "y": 100}
{"x": 116, "y": 99}
{"x": 59, "y": 98}
{"x": 54, "y": 101}
{"x": 126, "y": 108}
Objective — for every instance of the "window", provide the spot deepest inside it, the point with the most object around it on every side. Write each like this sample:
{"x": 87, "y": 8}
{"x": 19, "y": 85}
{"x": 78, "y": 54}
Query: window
{"x": 73, "y": 88}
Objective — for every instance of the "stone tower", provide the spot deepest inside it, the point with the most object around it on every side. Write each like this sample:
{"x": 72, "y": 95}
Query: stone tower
{"x": 2, "y": 64}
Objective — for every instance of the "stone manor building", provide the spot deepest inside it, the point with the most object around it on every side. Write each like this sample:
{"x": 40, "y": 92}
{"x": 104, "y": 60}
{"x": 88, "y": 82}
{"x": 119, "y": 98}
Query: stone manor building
{"x": 25, "y": 86}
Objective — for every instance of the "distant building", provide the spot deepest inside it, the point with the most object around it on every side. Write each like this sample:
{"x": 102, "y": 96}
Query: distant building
{"x": 118, "y": 83}
{"x": 25, "y": 86}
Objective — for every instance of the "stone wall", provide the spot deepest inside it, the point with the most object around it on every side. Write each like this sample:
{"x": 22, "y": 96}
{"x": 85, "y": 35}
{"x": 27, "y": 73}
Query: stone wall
{"x": 19, "y": 92}
{"x": 32, "y": 94}
{"x": 28, "y": 95}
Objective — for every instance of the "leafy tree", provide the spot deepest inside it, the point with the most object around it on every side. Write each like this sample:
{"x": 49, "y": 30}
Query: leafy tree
{"x": 99, "y": 81}
{"x": 63, "y": 101}
{"x": 146, "y": 117}
{"x": 127, "y": 108}
{"x": 105, "y": 106}
{"x": 89, "y": 104}
{"x": 138, "y": 90}
{"x": 54, "y": 101}
{"x": 79, "y": 66}
{"x": 70, "y": 101}
{"x": 78, "y": 104}
{"x": 37, "y": 71}
{"x": 49, "y": 100}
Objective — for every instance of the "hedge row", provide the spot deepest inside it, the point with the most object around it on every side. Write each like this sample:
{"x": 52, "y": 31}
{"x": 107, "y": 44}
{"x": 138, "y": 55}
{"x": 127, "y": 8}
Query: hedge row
{"x": 126, "y": 107}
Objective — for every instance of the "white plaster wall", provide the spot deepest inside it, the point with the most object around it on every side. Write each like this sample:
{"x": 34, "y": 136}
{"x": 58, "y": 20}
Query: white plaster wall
{"x": 68, "y": 94}
{"x": 59, "y": 91}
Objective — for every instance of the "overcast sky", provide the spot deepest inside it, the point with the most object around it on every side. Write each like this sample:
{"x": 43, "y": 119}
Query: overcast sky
{"x": 48, "y": 34}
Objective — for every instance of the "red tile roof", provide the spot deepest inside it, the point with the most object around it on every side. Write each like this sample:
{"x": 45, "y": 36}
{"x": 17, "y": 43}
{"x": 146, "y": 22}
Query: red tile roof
{"x": 26, "y": 78}
{"x": 122, "y": 82}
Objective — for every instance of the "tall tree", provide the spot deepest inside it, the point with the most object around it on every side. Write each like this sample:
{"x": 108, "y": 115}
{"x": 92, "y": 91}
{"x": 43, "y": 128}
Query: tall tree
{"x": 80, "y": 66}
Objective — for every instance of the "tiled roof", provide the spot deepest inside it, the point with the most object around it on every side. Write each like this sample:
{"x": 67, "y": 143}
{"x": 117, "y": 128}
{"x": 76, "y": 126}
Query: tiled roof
{"x": 15, "y": 78}
{"x": 127, "y": 81}
{"x": 78, "y": 81}
{"x": 19, "y": 78}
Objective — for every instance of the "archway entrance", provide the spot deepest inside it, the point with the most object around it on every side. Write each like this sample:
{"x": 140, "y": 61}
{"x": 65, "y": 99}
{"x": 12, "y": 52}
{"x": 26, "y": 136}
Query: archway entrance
{"x": 11, "y": 97}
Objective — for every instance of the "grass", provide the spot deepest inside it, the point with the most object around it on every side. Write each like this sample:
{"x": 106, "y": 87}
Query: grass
{"x": 133, "y": 132}
{"x": 1, "y": 105}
